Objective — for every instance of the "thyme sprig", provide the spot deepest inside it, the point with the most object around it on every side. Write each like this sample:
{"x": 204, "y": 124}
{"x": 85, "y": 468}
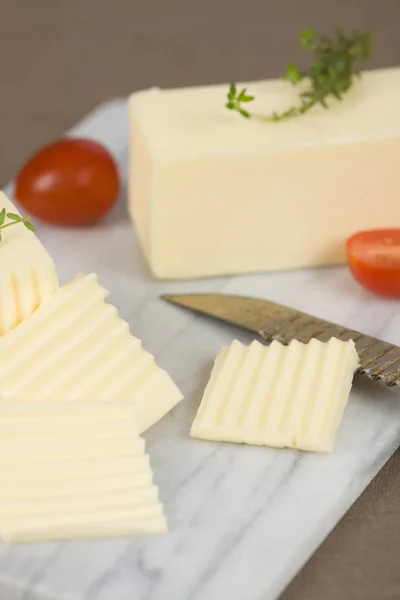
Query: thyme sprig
{"x": 13, "y": 219}
{"x": 334, "y": 67}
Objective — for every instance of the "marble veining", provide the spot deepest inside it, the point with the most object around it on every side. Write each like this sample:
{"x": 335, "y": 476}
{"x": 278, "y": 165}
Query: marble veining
{"x": 243, "y": 520}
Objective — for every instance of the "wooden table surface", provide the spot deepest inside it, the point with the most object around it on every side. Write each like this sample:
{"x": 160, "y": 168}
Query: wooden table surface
{"x": 59, "y": 59}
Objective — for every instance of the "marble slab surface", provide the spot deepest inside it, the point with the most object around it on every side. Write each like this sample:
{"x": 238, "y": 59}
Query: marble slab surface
{"x": 243, "y": 520}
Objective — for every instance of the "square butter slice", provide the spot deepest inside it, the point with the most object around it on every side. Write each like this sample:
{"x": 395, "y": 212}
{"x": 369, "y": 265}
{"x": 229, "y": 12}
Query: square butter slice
{"x": 27, "y": 273}
{"x": 71, "y": 471}
{"x": 75, "y": 347}
{"x": 283, "y": 396}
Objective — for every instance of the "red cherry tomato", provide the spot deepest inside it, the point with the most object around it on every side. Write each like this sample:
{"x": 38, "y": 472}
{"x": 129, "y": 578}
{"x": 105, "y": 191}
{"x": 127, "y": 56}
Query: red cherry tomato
{"x": 69, "y": 182}
{"x": 374, "y": 260}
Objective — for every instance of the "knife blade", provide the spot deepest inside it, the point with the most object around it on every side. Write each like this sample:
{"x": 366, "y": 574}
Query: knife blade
{"x": 379, "y": 360}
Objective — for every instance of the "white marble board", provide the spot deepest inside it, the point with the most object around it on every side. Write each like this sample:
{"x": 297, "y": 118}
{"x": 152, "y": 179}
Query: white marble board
{"x": 243, "y": 520}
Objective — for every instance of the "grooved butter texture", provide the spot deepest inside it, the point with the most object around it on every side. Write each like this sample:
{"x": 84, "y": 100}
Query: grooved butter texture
{"x": 95, "y": 481}
{"x": 76, "y": 348}
{"x": 212, "y": 193}
{"x": 284, "y": 396}
{"x": 27, "y": 273}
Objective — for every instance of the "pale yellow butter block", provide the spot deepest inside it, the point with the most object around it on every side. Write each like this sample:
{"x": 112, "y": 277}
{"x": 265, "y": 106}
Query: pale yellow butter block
{"x": 211, "y": 193}
{"x": 27, "y": 272}
{"x": 284, "y": 396}
{"x": 75, "y": 347}
{"x": 47, "y": 495}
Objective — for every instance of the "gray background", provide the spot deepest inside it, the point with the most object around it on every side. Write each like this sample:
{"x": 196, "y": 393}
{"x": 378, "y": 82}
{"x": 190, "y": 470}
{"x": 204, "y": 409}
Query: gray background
{"x": 59, "y": 59}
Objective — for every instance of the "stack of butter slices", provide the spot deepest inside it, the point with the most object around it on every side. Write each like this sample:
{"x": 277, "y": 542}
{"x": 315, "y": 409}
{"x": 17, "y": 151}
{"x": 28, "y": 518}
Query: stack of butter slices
{"x": 77, "y": 391}
{"x": 74, "y": 470}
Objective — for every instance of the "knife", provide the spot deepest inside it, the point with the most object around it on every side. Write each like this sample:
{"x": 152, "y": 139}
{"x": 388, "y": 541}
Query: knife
{"x": 379, "y": 360}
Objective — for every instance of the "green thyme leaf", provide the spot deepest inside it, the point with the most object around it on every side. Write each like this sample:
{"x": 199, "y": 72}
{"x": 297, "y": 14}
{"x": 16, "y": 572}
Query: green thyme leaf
{"x": 13, "y": 217}
{"x": 247, "y": 98}
{"x": 29, "y": 225}
{"x": 293, "y": 74}
{"x": 307, "y": 38}
{"x": 232, "y": 91}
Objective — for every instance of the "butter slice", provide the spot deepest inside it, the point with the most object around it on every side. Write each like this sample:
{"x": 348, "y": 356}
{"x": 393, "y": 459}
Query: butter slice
{"x": 27, "y": 273}
{"x": 56, "y": 495}
{"x": 76, "y": 348}
{"x": 283, "y": 396}
{"x": 212, "y": 193}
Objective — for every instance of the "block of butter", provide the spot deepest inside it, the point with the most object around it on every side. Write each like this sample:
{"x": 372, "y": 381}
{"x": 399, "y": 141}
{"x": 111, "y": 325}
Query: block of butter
{"x": 76, "y": 348}
{"x": 284, "y": 396}
{"x": 211, "y": 193}
{"x": 71, "y": 471}
{"x": 27, "y": 273}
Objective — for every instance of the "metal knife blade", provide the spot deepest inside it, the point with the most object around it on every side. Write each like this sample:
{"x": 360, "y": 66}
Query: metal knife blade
{"x": 379, "y": 360}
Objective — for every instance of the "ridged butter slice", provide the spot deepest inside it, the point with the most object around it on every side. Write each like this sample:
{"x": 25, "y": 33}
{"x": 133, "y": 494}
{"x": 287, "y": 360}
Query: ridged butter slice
{"x": 27, "y": 273}
{"x": 75, "y": 347}
{"x": 109, "y": 491}
{"x": 283, "y": 396}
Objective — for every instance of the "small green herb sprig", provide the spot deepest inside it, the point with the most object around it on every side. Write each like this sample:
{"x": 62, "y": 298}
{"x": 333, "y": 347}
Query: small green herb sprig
{"x": 332, "y": 72}
{"x": 13, "y": 219}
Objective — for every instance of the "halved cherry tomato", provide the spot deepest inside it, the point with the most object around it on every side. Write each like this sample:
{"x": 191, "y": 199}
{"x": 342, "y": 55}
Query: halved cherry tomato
{"x": 374, "y": 260}
{"x": 73, "y": 181}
